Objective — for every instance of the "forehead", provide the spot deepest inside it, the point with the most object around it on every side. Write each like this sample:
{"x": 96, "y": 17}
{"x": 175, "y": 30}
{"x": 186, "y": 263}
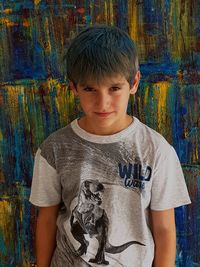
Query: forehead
{"x": 106, "y": 81}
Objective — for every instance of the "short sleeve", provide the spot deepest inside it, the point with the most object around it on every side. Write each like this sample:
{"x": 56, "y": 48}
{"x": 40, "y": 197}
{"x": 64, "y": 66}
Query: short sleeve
{"x": 168, "y": 185}
{"x": 46, "y": 188}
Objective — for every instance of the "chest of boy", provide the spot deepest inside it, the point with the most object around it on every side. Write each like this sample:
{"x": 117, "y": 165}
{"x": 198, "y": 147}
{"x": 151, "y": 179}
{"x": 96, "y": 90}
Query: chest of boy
{"x": 108, "y": 166}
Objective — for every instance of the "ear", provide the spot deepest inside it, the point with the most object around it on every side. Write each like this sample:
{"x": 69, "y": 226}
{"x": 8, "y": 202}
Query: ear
{"x": 135, "y": 84}
{"x": 73, "y": 88}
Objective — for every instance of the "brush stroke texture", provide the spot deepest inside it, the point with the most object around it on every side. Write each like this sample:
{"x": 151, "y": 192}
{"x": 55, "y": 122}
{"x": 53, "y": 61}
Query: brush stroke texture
{"x": 35, "y": 100}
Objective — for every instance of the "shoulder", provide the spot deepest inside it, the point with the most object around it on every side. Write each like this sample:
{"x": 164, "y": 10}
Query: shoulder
{"x": 58, "y": 137}
{"x": 52, "y": 146}
{"x": 152, "y": 140}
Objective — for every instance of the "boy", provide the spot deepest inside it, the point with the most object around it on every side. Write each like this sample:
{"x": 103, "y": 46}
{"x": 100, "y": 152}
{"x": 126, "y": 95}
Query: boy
{"x": 106, "y": 184}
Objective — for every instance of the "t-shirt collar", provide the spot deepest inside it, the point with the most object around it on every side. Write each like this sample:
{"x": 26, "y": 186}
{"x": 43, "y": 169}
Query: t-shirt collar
{"x": 104, "y": 139}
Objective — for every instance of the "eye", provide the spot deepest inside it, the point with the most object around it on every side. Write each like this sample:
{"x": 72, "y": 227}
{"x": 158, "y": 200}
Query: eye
{"x": 115, "y": 88}
{"x": 88, "y": 89}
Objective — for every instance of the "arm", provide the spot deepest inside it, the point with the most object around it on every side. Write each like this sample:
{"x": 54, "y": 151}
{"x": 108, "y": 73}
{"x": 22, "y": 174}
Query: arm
{"x": 46, "y": 235}
{"x": 164, "y": 233}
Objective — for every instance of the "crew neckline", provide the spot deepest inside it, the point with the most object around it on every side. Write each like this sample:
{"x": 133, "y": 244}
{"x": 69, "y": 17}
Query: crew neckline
{"x": 103, "y": 139}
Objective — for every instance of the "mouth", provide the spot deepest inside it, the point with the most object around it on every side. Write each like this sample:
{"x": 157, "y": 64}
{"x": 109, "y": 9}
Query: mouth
{"x": 103, "y": 114}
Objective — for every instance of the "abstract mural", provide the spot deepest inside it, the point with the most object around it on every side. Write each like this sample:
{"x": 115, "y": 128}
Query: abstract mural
{"x": 35, "y": 100}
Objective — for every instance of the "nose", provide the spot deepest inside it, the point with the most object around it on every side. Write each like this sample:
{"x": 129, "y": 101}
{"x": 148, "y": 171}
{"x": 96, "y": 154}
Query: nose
{"x": 102, "y": 101}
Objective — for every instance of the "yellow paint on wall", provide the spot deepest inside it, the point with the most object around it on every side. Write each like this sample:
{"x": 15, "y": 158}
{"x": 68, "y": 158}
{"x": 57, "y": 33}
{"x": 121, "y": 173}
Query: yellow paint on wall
{"x": 111, "y": 13}
{"x": 37, "y": 2}
{"x": 10, "y": 23}
{"x": 64, "y": 103}
{"x": 8, "y": 229}
{"x": 71, "y": 97}
{"x": 196, "y": 150}
{"x": 26, "y": 23}
{"x": 5, "y": 209}
{"x": 7, "y": 22}
{"x": 180, "y": 30}
{"x": 64, "y": 99}
{"x": 160, "y": 93}
{"x": 61, "y": 103}
{"x": 12, "y": 99}
{"x": 106, "y": 12}
{"x": 7, "y": 11}
{"x": 47, "y": 44}
{"x": 146, "y": 95}
{"x": 132, "y": 10}
{"x": 6, "y": 226}
{"x": 136, "y": 27}
{"x": 1, "y": 136}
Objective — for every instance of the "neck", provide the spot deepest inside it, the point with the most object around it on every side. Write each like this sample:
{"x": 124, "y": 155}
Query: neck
{"x": 93, "y": 129}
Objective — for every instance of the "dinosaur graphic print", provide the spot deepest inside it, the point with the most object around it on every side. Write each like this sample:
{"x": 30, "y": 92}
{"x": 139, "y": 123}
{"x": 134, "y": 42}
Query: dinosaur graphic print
{"x": 89, "y": 218}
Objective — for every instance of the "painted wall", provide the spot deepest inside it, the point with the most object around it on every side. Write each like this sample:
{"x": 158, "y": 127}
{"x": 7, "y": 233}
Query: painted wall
{"x": 34, "y": 100}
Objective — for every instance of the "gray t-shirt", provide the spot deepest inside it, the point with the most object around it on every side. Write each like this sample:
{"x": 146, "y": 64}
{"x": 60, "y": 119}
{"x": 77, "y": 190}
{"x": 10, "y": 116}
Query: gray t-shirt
{"x": 106, "y": 186}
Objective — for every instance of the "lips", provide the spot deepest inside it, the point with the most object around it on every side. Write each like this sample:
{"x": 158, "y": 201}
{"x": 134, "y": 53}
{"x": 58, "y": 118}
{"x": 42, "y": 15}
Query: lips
{"x": 103, "y": 114}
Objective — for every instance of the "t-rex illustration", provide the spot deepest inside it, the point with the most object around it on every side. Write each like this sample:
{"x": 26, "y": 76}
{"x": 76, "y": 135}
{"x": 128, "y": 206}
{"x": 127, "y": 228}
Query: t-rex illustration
{"x": 89, "y": 218}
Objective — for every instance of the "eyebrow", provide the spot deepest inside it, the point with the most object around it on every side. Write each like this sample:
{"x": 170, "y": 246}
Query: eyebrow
{"x": 112, "y": 85}
{"x": 117, "y": 84}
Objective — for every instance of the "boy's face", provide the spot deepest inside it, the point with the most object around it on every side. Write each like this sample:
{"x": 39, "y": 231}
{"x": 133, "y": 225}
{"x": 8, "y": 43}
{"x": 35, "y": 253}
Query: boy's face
{"x": 105, "y": 104}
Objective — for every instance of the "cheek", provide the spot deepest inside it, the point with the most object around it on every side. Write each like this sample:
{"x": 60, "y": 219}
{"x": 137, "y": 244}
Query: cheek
{"x": 86, "y": 102}
{"x": 120, "y": 100}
